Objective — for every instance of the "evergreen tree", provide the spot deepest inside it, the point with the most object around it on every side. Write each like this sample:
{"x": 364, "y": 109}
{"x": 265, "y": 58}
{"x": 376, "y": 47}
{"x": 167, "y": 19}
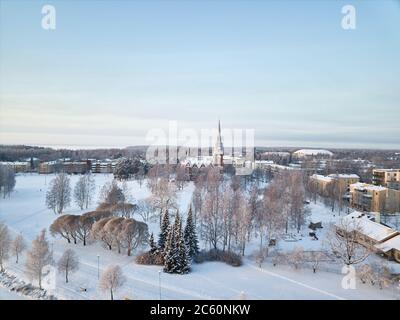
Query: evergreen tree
{"x": 153, "y": 247}
{"x": 170, "y": 252}
{"x": 162, "y": 238}
{"x": 176, "y": 254}
{"x": 190, "y": 235}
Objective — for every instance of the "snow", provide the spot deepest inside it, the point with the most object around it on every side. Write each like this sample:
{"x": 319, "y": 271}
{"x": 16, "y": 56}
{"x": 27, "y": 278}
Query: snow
{"x": 8, "y": 295}
{"x": 373, "y": 230}
{"x": 366, "y": 186}
{"x": 393, "y": 243}
{"x": 321, "y": 178}
{"x": 25, "y": 212}
{"x": 344, "y": 176}
{"x": 312, "y": 152}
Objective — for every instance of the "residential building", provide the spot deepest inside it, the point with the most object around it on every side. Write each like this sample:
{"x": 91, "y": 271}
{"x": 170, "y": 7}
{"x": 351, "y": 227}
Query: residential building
{"x": 367, "y": 197}
{"x": 76, "y": 167}
{"x": 18, "y": 166}
{"x": 343, "y": 181}
{"x": 372, "y": 234}
{"x": 105, "y": 166}
{"x": 47, "y": 167}
{"x": 386, "y": 177}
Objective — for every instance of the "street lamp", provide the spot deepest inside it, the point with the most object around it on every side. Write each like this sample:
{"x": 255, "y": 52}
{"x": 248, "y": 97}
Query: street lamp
{"x": 98, "y": 267}
{"x": 159, "y": 282}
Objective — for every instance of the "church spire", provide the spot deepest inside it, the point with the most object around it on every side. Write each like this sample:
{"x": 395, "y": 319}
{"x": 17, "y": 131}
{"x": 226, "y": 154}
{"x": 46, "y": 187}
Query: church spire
{"x": 218, "y": 151}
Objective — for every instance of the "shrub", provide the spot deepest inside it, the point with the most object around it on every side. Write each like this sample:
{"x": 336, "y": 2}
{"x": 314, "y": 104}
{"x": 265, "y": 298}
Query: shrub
{"x": 149, "y": 258}
{"x": 228, "y": 257}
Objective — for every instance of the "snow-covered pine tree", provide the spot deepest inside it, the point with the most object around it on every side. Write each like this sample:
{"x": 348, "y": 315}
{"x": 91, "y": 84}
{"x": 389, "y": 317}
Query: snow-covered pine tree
{"x": 176, "y": 258}
{"x": 164, "y": 229}
{"x": 170, "y": 252}
{"x": 183, "y": 261}
{"x": 153, "y": 247}
{"x": 190, "y": 235}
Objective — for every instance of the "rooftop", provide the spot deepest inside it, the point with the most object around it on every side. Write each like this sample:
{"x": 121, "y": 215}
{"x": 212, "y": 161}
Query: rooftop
{"x": 372, "y": 229}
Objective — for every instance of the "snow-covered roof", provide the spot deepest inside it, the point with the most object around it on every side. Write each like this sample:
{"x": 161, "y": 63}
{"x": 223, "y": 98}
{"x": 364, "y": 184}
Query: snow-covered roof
{"x": 344, "y": 176}
{"x": 276, "y": 153}
{"x": 15, "y": 163}
{"x": 50, "y": 162}
{"x": 263, "y": 162}
{"x": 198, "y": 161}
{"x": 313, "y": 152}
{"x": 366, "y": 186}
{"x": 386, "y": 170}
{"x": 392, "y": 243}
{"x": 321, "y": 178}
{"x": 362, "y": 221}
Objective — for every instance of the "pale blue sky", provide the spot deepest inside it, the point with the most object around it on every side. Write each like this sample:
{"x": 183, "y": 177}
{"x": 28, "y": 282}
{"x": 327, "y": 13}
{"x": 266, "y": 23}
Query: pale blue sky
{"x": 112, "y": 70}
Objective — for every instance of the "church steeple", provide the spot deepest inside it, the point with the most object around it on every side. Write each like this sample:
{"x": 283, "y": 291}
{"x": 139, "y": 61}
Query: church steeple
{"x": 218, "y": 150}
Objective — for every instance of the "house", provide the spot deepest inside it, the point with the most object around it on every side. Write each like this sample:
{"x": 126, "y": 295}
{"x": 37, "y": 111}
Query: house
{"x": 372, "y": 234}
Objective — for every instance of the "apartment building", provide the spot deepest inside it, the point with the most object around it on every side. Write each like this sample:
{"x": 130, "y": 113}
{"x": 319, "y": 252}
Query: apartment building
{"x": 105, "y": 166}
{"x": 368, "y": 197}
{"x": 76, "y": 167}
{"x": 386, "y": 177}
{"x": 343, "y": 181}
{"x": 18, "y": 166}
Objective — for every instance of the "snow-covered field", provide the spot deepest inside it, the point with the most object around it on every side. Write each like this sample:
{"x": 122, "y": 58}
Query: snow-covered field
{"x": 25, "y": 212}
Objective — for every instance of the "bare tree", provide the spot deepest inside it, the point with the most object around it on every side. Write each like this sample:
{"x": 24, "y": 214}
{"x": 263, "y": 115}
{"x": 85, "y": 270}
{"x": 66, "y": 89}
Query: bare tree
{"x": 343, "y": 240}
{"x": 5, "y": 241}
{"x": 133, "y": 234}
{"x": 38, "y": 257}
{"x": 296, "y": 257}
{"x": 111, "y": 193}
{"x": 269, "y": 221}
{"x": 68, "y": 263}
{"x": 111, "y": 280}
{"x": 163, "y": 195}
{"x": 61, "y": 227}
{"x": 375, "y": 273}
{"x": 58, "y": 196}
{"x": 113, "y": 229}
{"x": 83, "y": 191}
{"x": 211, "y": 214}
{"x": 242, "y": 217}
{"x": 18, "y": 245}
{"x": 315, "y": 258}
{"x": 297, "y": 196}
{"x": 125, "y": 210}
{"x": 85, "y": 223}
{"x": 97, "y": 232}
{"x": 181, "y": 176}
{"x": 145, "y": 210}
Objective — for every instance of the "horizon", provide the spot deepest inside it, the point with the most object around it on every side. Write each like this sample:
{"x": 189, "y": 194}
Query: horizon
{"x": 108, "y": 74}
{"x": 83, "y": 148}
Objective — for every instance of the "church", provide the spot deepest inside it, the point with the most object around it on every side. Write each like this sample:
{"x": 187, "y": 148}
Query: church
{"x": 214, "y": 160}
{"x": 218, "y": 158}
